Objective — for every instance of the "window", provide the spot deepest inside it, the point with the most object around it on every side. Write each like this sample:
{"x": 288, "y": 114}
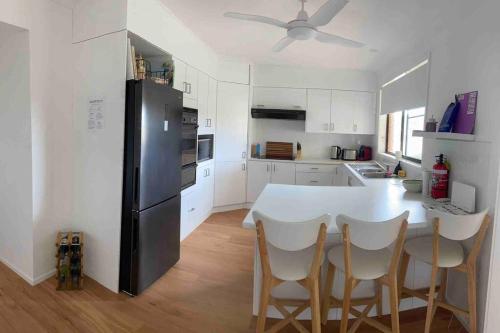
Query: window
{"x": 399, "y": 135}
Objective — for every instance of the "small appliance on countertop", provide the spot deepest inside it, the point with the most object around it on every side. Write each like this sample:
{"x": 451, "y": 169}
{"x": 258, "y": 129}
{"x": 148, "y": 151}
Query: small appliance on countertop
{"x": 335, "y": 152}
{"x": 349, "y": 154}
{"x": 365, "y": 153}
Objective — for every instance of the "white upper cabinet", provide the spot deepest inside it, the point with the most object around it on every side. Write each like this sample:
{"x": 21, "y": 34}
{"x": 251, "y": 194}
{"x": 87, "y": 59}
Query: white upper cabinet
{"x": 192, "y": 83}
{"x": 280, "y": 98}
{"x": 344, "y": 109}
{"x": 365, "y": 113}
{"x": 212, "y": 105}
{"x": 232, "y": 120}
{"x": 179, "y": 75}
{"x": 318, "y": 110}
{"x": 202, "y": 102}
{"x": 338, "y": 111}
{"x": 186, "y": 80}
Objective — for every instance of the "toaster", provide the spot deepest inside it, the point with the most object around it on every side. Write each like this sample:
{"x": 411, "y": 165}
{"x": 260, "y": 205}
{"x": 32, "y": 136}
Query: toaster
{"x": 349, "y": 154}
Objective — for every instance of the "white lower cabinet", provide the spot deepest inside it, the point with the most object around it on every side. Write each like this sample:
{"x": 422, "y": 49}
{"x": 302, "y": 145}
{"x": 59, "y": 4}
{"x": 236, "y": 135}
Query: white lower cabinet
{"x": 197, "y": 201}
{"x": 261, "y": 173}
{"x": 230, "y": 180}
{"x": 315, "y": 178}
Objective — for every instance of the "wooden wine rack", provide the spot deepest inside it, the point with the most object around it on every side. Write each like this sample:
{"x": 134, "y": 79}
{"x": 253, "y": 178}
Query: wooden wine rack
{"x": 69, "y": 260}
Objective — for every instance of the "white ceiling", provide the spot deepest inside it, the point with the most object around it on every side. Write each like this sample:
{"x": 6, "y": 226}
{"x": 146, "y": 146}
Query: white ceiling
{"x": 391, "y": 27}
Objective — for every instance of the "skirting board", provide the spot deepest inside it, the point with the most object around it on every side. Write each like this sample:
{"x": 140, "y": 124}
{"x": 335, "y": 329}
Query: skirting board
{"x": 26, "y": 277}
{"x": 228, "y": 208}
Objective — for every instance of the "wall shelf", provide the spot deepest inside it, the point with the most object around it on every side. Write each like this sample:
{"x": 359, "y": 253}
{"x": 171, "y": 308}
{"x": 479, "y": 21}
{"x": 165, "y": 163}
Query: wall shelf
{"x": 444, "y": 136}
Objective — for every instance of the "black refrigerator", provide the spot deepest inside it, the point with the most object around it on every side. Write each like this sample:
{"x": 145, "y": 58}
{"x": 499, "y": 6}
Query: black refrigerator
{"x": 150, "y": 236}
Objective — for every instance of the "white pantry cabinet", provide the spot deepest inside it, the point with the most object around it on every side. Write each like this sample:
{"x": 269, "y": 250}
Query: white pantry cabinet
{"x": 207, "y": 103}
{"x": 261, "y": 173}
{"x": 279, "y": 98}
{"x": 231, "y": 148}
{"x": 342, "y": 112}
{"x": 232, "y": 121}
{"x": 212, "y": 105}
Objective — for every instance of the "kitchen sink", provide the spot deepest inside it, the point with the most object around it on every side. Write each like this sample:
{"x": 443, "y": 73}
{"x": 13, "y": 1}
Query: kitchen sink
{"x": 369, "y": 170}
{"x": 379, "y": 174}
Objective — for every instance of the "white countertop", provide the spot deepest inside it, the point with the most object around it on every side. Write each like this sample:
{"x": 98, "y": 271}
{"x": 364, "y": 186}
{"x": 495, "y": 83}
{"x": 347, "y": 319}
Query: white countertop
{"x": 306, "y": 161}
{"x": 377, "y": 200}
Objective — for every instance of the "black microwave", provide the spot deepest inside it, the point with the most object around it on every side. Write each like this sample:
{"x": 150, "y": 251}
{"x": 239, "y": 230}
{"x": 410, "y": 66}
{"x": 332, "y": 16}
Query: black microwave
{"x": 205, "y": 147}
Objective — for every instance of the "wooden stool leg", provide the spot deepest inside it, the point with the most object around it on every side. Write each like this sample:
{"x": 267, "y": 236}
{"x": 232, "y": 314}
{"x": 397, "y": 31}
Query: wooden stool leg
{"x": 471, "y": 295}
{"x": 315, "y": 306}
{"x": 265, "y": 292}
{"x": 327, "y": 293}
{"x": 346, "y": 304}
{"x": 378, "y": 295}
{"x": 394, "y": 299}
{"x": 430, "y": 301}
{"x": 442, "y": 289}
{"x": 402, "y": 273}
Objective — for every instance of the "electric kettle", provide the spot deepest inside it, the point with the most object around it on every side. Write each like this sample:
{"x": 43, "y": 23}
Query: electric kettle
{"x": 335, "y": 152}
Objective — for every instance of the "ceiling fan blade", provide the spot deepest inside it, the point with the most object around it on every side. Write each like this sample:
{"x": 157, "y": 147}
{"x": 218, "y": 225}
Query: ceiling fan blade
{"x": 256, "y": 18}
{"x": 282, "y": 44}
{"x": 333, "y": 39}
{"x": 327, "y": 12}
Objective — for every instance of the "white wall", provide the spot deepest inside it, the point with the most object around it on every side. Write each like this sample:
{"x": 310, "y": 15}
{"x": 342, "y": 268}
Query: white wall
{"x": 313, "y": 145}
{"x": 16, "y": 233}
{"x": 94, "y": 18}
{"x": 52, "y": 127}
{"x": 100, "y": 69}
{"x": 154, "y": 22}
{"x": 465, "y": 58}
{"x": 49, "y": 26}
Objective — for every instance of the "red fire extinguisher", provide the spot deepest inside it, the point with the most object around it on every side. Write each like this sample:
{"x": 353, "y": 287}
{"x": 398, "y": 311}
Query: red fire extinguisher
{"x": 440, "y": 177}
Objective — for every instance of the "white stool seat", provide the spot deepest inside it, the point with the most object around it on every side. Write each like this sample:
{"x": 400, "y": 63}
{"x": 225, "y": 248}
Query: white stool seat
{"x": 366, "y": 265}
{"x": 451, "y": 253}
{"x": 291, "y": 265}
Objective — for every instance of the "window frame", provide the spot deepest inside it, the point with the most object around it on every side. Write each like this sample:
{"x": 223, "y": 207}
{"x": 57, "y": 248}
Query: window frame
{"x": 402, "y": 138}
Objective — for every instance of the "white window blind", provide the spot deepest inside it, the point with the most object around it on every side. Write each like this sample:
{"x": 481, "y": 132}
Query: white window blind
{"x": 407, "y": 92}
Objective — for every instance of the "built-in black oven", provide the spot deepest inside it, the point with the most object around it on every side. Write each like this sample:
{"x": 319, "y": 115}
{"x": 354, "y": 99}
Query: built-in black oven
{"x": 205, "y": 147}
{"x": 189, "y": 146}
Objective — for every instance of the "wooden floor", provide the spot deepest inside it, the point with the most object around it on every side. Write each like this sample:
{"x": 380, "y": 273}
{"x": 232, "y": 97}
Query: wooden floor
{"x": 209, "y": 291}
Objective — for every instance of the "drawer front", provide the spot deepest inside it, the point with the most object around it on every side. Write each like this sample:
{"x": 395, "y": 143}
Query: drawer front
{"x": 317, "y": 168}
{"x": 314, "y": 179}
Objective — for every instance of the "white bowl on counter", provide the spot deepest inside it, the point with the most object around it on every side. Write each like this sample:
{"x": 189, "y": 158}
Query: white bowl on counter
{"x": 412, "y": 185}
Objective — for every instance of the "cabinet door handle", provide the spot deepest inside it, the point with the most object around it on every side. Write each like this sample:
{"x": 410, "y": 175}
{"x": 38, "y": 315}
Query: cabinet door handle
{"x": 314, "y": 168}
{"x": 267, "y": 167}
{"x": 208, "y": 172}
{"x": 192, "y": 210}
{"x": 332, "y": 126}
{"x": 209, "y": 122}
{"x": 313, "y": 182}
{"x": 243, "y": 166}
{"x": 274, "y": 168}
{"x": 244, "y": 154}
{"x": 355, "y": 127}
{"x": 185, "y": 87}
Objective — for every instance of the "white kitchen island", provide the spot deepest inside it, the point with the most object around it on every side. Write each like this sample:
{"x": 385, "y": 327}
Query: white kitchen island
{"x": 375, "y": 200}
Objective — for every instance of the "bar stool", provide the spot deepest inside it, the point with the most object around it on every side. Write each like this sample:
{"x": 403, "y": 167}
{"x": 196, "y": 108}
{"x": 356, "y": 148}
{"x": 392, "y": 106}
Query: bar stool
{"x": 444, "y": 251}
{"x": 290, "y": 251}
{"x": 363, "y": 256}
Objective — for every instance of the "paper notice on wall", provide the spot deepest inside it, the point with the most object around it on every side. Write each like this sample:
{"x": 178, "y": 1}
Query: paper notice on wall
{"x": 96, "y": 114}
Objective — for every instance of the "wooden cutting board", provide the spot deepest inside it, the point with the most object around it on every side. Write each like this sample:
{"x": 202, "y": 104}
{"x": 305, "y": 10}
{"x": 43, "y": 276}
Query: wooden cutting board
{"x": 279, "y": 150}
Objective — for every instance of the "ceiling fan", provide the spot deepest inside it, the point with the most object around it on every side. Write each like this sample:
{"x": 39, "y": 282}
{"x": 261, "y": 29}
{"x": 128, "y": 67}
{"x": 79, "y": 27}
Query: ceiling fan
{"x": 305, "y": 27}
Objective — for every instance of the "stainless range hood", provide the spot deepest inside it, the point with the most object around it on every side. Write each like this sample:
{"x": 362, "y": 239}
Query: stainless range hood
{"x": 262, "y": 113}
